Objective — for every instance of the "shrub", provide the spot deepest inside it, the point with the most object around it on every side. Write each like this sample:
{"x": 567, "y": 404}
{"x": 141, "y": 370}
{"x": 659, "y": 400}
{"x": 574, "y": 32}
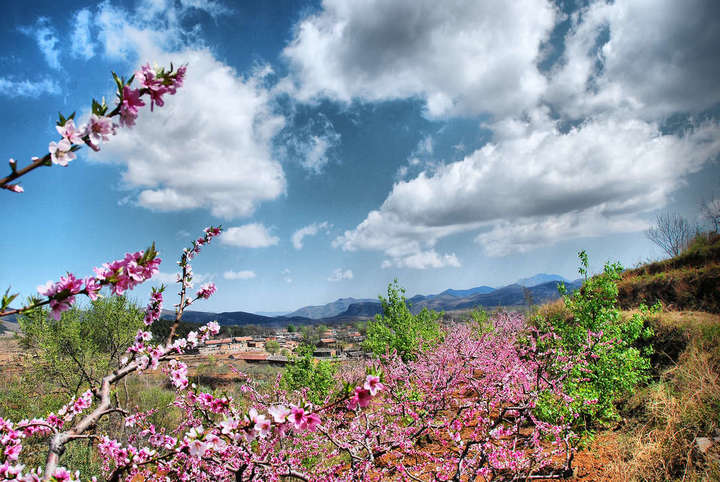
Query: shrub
{"x": 85, "y": 344}
{"x": 398, "y": 329}
{"x": 317, "y": 376}
{"x": 612, "y": 352}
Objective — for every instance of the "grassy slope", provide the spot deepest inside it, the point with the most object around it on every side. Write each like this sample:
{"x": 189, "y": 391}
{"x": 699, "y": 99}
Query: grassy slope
{"x": 690, "y": 281}
{"x": 655, "y": 439}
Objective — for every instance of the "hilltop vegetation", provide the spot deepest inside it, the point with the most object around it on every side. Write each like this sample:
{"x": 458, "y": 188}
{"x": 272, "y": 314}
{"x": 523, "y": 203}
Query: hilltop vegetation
{"x": 689, "y": 281}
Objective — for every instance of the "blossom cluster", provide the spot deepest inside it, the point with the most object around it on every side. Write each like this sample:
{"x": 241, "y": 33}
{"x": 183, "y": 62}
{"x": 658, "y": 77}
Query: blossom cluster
{"x": 120, "y": 275}
{"x": 217, "y": 430}
{"x": 186, "y": 275}
{"x": 155, "y": 82}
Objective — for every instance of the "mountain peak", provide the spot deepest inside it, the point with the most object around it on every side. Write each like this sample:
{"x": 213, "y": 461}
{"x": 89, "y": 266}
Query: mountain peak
{"x": 540, "y": 278}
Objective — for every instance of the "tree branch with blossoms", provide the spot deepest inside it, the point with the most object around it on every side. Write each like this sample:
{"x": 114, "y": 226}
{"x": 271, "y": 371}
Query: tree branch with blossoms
{"x": 154, "y": 83}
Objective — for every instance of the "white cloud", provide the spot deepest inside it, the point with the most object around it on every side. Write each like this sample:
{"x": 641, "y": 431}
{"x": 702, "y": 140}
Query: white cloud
{"x": 527, "y": 234}
{"x": 208, "y": 147}
{"x": 311, "y": 143}
{"x": 235, "y": 275}
{"x": 650, "y": 58}
{"x": 46, "y": 38}
{"x": 171, "y": 278}
{"x": 310, "y": 230}
{"x": 340, "y": 274}
{"x": 82, "y": 45}
{"x": 535, "y": 176}
{"x": 423, "y": 260}
{"x": 27, "y": 88}
{"x": 253, "y": 235}
{"x": 286, "y": 275}
{"x": 461, "y": 57}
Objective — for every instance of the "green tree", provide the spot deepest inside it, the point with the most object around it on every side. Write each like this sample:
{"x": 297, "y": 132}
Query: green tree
{"x": 616, "y": 361}
{"x": 291, "y": 328}
{"x": 84, "y": 345}
{"x": 306, "y": 372}
{"x": 310, "y": 335}
{"x": 272, "y": 346}
{"x": 398, "y": 329}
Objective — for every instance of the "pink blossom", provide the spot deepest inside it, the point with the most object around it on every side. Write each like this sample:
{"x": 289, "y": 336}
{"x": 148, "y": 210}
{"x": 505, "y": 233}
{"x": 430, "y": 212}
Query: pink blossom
{"x": 361, "y": 398}
{"x": 92, "y": 287}
{"x": 13, "y": 451}
{"x": 70, "y": 132}
{"x": 279, "y": 413}
{"x": 60, "y": 152}
{"x": 129, "y": 108}
{"x": 197, "y": 448}
{"x": 206, "y": 291}
{"x": 100, "y": 128}
{"x": 373, "y": 385}
{"x": 297, "y": 417}
{"x": 312, "y": 421}
{"x": 213, "y": 327}
{"x": 177, "y": 80}
{"x": 15, "y": 188}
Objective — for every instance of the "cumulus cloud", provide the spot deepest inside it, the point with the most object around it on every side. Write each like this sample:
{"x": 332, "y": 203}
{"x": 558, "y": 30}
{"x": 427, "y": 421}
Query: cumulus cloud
{"x": 461, "y": 57}
{"x": 542, "y": 178}
{"x": 235, "y": 275}
{"x": 309, "y": 230}
{"x": 210, "y": 146}
{"x": 27, "y": 88}
{"x": 200, "y": 150}
{"x": 340, "y": 274}
{"x": 286, "y": 275}
{"x": 526, "y": 234}
{"x": 253, "y": 235}
{"x": 423, "y": 260}
{"x": 46, "y": 38}
{"x": 650, "y": 58}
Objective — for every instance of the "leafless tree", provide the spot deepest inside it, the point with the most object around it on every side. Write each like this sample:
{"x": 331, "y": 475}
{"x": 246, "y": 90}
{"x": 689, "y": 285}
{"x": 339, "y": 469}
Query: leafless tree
{"x": 671, "y": 232}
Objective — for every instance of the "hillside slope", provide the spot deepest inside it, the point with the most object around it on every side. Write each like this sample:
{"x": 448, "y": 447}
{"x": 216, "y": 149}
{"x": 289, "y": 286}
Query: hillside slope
{"x": 690, "y": 281}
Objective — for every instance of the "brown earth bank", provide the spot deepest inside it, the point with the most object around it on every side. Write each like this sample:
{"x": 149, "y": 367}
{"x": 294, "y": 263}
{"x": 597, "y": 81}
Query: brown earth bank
{"x": 690, "y": 281}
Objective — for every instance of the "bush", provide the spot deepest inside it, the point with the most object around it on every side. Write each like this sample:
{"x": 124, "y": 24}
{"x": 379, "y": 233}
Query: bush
{"x": 612, "y": 352}
{"x": 306, "y": 372}
{"x": 398, "y": 329}
{"x": 85, "y": 344}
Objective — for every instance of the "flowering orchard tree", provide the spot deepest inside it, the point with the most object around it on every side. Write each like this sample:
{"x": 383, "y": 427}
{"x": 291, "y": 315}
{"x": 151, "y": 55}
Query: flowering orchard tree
{"x": 464, "y": 410}
{"x": 78, "y": 419}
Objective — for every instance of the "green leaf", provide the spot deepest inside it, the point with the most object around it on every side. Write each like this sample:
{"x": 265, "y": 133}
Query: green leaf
{"x": 8, "y": 298}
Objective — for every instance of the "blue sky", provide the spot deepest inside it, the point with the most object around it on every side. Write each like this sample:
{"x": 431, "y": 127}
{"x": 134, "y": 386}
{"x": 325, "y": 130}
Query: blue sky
{"x": 345, "y": 143}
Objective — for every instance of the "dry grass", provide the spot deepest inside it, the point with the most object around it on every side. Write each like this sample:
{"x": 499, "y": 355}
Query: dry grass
{"x": 657, "y": 441}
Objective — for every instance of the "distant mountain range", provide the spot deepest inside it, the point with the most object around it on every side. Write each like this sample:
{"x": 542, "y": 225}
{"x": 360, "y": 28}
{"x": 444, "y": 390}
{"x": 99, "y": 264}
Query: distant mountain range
{"x": 329, "y": 310}
{"x": 449, "y": 299}
{"x": 541, "y": 278}
{"x": 537, "y": 289}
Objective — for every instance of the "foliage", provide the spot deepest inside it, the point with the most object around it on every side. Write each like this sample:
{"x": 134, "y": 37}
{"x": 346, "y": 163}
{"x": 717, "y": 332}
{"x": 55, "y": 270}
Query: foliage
{"x": 304, "y": 372}
{"x": 612, "y": 352}
{"x": 161, "y": 329}
{"x": 272, "y": 346}
{"x": 310, "y": 335}
{"x": 85, "y": 344}
{"x": 398, "y": 329}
